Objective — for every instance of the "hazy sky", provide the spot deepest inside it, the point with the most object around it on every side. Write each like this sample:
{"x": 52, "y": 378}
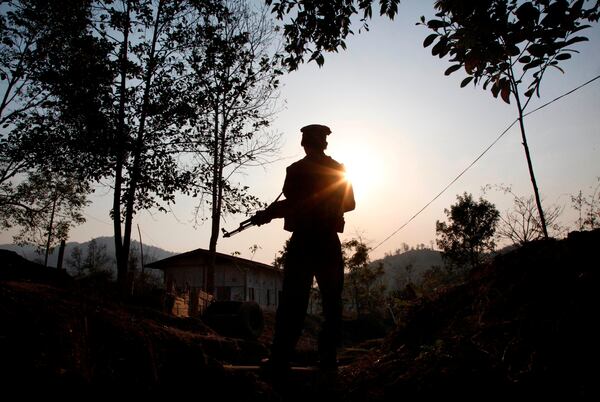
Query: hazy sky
{"x": 394, "y": 114}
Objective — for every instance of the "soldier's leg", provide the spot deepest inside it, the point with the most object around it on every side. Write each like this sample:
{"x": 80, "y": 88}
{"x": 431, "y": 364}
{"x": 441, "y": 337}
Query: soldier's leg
{"x": 297, "y": 281}
{"x": 330, "y": 277}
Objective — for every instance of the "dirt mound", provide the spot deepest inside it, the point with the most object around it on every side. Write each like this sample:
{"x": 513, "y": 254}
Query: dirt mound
{"x": 519, "y": 327}
{"x": 57, "y": 336}
{"x": 522, "y": 326}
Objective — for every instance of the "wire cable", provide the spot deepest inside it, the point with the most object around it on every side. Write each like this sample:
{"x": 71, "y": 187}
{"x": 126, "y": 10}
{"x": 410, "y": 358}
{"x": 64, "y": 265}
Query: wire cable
{"x": 479, "y": 157}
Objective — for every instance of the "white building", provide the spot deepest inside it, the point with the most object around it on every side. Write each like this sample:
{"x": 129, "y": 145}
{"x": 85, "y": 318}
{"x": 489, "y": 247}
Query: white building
{"x": 236, "y": 279}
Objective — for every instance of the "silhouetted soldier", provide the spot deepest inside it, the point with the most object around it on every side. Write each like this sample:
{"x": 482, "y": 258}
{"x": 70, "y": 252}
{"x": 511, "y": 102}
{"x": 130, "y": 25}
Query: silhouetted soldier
{"x": 317, "y": 195}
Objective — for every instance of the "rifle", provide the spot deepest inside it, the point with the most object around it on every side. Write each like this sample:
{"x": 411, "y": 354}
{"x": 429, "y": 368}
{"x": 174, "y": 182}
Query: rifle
{"x": 243, "y": 226}
{"x": 274, "y": 210}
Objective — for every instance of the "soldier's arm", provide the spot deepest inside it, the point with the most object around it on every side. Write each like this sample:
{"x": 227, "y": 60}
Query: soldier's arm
{"x": 278, "y": 209}
{"x": 348, "y": 202}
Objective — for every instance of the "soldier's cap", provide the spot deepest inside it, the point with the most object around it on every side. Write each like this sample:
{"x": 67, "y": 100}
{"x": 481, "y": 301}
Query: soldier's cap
{"x": 315, "y": 134}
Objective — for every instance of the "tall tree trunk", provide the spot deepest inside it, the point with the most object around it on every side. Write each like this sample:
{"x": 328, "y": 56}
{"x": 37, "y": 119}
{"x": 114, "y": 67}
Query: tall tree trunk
{"x": 141, "y": 250}
{"x": 538, "y": 201}
{"x": 61, "y": 255}
{"x": 355, "y": 294}
{"x": 50, "y": 229}
{"x": 137, "y": 150}
{"x": 120, "y": 157}
{"x": 216, "y": 212}
{"x": 217, "y": 190}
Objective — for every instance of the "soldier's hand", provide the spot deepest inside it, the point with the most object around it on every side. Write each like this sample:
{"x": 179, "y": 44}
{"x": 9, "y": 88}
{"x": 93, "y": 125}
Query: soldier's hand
{"x": 261, "y": 217}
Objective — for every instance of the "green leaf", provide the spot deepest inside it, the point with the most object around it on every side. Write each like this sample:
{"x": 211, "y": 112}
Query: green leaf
{"x": 537, "y": 50}
{"x": 436, "y": 24}
{"x": 527, "y": 13}
{"x": 429, "y": 40}
{"x": 533, "y": 64}
{"x": 505, "y": 93}
{"x": 525, "y": 59}
{"x": 513, "y": 51}
{"x": 452, "y": 69}
{"x": 466, "y": 81}
{"x": 495, "y": 89}
{"x": 577, "y": 5}
{"x": 563, "y": 56}
{"x": 320, "y": 59}
{"x": 579, "y": 28}
{"x": 439, "y": 48}
{"x": 576, "y": 40}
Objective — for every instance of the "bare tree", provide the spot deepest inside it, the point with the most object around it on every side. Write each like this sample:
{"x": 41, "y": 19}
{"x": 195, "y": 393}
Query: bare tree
{"x": 588, "y": 208}
{"x": 235, "y": 84}
{"x": 521, "y": 224}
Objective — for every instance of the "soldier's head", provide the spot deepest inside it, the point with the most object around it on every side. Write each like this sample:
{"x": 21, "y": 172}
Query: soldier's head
{"x": 314, "y": 136}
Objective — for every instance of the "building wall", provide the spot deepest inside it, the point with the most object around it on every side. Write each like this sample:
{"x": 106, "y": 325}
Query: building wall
{"x": 264, "y": 288}
{"x": 239, "y": 282}
{"x": 183, "y": 276}
{"x": 245, "y": 283}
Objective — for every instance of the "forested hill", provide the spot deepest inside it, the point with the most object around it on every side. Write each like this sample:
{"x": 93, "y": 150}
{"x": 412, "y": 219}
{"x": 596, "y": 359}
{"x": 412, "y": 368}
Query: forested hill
{"x": 151, "y": 253}
{"x": 409, "y": 266}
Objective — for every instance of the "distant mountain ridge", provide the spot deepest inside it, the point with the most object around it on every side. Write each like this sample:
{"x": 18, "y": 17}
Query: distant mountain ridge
{"x": 400, "y": 269}
{"x": 151, "y": 253}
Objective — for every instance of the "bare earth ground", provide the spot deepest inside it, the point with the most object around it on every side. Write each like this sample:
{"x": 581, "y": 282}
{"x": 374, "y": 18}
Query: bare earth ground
{"x": 522, "y": 326}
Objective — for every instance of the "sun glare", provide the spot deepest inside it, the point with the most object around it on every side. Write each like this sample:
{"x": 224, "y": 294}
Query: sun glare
{"x": 364, "y": 171}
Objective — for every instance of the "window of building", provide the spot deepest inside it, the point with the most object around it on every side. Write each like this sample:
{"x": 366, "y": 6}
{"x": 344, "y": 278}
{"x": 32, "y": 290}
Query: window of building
{"x": 223, "y": 293}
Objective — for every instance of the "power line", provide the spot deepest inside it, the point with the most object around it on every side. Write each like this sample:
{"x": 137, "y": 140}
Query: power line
{"x": 96, "y": 219}
{"x": 480, "y": 156}
{"x": 562, "y": 96}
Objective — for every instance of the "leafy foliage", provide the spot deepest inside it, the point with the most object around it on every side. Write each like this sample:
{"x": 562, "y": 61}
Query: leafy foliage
{"x": 44, "y": 209}
{"x": 103, "y": 92}
{"x": 315, "y": 27}
{"x": 95, "y": 260}
{"x": 503, "y": 44}
{"x": 469, "y": 232}
{"x": 364, "y": 286}
{"x": 499, "y": 43}
{"x": 53, "y": 77}
{"x": 279, "y": 261}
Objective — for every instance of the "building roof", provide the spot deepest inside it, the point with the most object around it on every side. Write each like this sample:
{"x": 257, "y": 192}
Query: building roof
{"x": 203, "y": 255}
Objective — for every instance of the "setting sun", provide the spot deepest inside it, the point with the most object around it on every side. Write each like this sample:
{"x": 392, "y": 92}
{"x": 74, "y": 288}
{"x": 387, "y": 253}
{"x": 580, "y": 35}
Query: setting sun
{"x": 363, "y": 170}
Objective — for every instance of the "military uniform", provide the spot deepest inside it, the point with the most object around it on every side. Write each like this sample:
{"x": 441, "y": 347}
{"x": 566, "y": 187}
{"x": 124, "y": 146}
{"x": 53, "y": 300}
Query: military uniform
{"x": 317, "y": 195}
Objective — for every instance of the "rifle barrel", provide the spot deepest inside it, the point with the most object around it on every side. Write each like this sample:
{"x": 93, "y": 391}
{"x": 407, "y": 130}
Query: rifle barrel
{"x": 243, "y": 226}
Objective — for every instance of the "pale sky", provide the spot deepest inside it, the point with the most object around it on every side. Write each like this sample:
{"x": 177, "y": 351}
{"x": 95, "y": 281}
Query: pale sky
{"x": 394, "y": 113}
